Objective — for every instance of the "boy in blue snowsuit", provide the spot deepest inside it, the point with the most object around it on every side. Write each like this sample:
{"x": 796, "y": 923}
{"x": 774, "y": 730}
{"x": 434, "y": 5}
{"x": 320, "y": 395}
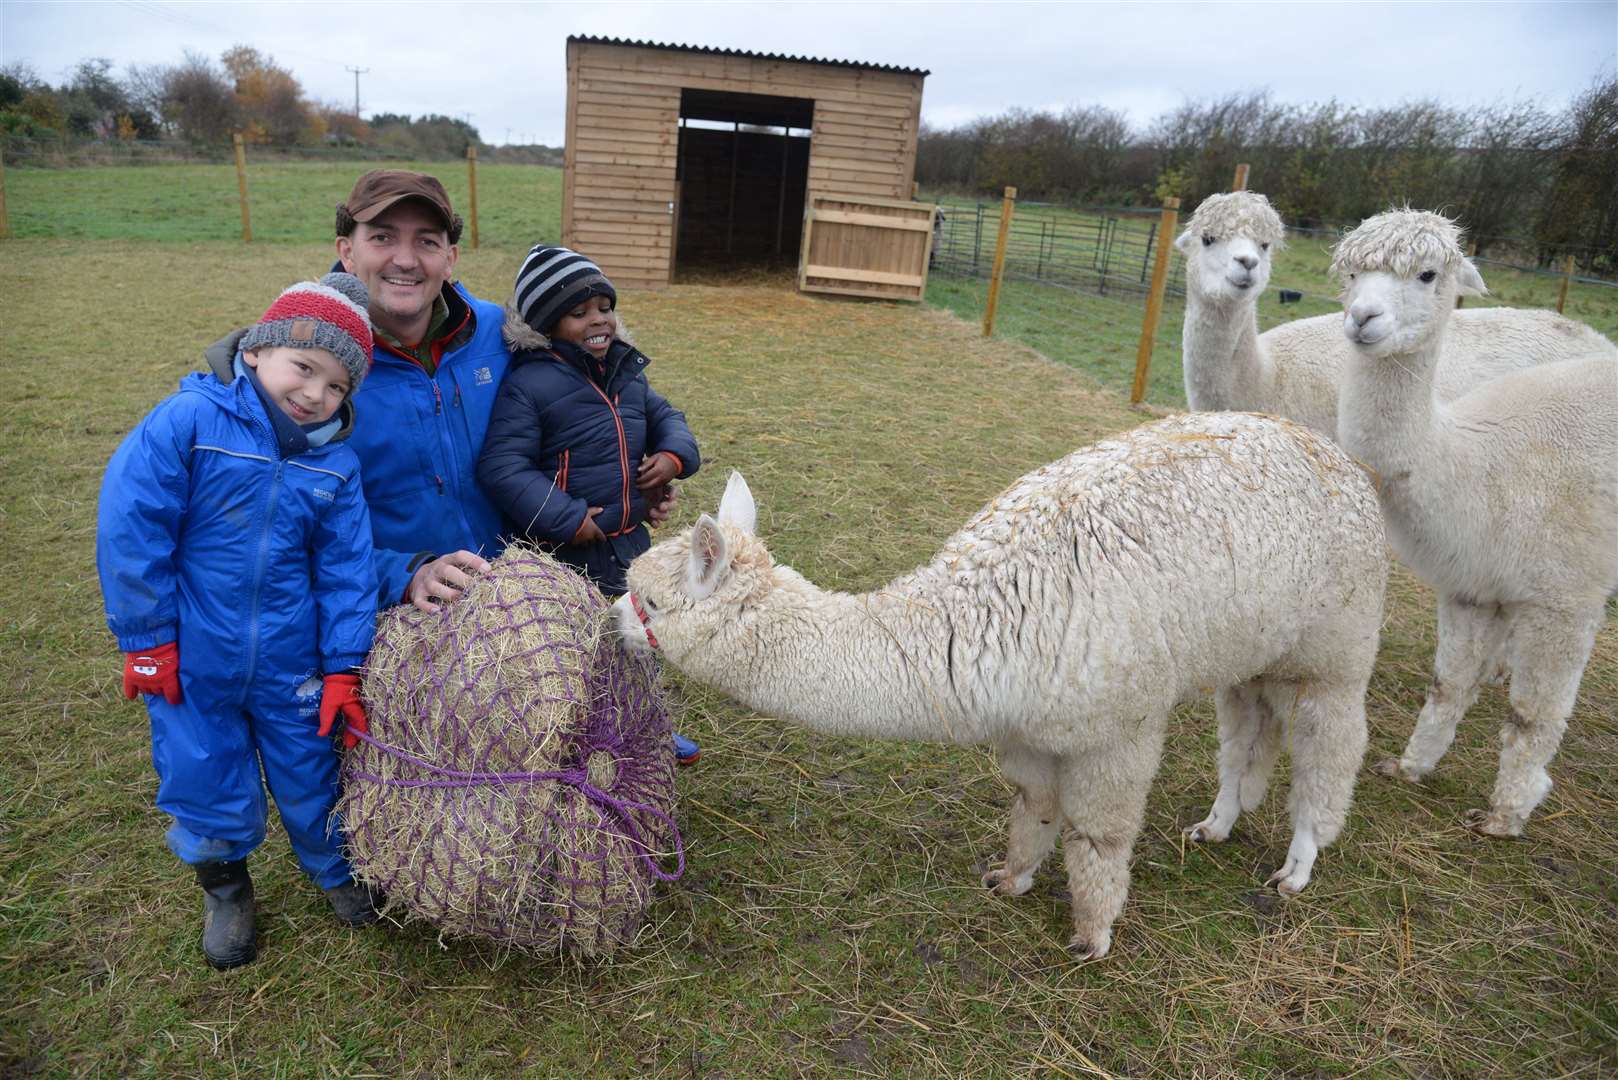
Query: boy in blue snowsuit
{"x": 235, "y": 555}
{"x": 579, "y": 445}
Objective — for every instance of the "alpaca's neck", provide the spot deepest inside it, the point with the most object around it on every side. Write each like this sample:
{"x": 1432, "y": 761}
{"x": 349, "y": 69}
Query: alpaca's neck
{"x": 872, "y": 665}
{"x": 1386, "y": 411}
{"x": 1223, "y": 361}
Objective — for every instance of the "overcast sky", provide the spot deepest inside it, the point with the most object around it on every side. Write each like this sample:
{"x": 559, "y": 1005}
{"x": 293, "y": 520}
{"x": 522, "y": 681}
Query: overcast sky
{"x": 501, "y": 66}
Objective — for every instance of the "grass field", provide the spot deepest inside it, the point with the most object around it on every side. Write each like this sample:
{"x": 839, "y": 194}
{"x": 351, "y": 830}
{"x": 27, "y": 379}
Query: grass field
{"x": 290, "y": 201}
{"x": 829, "y": 921}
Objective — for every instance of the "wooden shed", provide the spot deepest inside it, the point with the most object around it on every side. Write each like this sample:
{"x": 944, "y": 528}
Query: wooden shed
{"x": 679, "y": 156}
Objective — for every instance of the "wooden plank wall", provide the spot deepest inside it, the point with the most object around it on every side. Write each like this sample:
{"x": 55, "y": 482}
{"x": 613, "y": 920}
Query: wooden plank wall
{"x": 623, "y": 108}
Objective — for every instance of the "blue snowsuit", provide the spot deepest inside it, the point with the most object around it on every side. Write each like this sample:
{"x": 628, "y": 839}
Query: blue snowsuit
{"x": 567, "y": 433}
{"x": 258, "y": 562}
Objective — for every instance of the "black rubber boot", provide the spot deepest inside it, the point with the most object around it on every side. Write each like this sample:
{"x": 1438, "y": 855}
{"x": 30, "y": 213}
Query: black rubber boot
{"x": 354, "y": 904}
{"x": 228, "y": 937}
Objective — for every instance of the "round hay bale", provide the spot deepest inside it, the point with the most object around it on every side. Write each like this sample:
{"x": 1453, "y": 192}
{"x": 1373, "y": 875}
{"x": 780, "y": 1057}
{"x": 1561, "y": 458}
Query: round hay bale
{"x": 518, "y": 780}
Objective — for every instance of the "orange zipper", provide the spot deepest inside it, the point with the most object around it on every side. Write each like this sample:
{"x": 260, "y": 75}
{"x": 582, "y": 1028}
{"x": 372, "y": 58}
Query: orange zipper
{"x": 623, "y": 451}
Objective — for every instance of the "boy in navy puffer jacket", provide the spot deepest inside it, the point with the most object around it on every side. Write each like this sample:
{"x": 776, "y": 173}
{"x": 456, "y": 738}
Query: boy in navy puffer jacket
{"x": 234, "y": 548}
{"x": 579, "y": 444}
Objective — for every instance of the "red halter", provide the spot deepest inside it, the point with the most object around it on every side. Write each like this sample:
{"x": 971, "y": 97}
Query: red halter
{"x": 634, "y": 602}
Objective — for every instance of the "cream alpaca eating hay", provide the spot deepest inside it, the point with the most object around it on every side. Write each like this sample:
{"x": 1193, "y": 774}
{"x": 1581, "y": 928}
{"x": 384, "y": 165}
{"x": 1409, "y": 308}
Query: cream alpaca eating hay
{"x": 1063, "y": 623}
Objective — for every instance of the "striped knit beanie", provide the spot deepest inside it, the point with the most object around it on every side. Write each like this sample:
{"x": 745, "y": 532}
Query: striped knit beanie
{"x": 553, "y": 280}
{"x": 329, "y": 314}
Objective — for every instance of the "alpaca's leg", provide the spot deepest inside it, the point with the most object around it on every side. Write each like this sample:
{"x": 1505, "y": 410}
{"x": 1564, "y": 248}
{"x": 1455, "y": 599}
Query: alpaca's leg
{"x": 1328, "y": 745}
{"x": 1035, "y": 817}
{"x": 1548, "y": 652}
{"x": 1469, "y": 638}
{"x": 1249, "y": 742}
{"x": 1103, "y": 802}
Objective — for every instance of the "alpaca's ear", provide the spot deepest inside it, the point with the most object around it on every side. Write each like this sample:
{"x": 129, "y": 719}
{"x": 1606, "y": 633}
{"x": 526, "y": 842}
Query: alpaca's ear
{"x": 1468, "y": 282}
{"x": 710, "y": 558}
{"x": 736, "y": 507}
{"x": 1185, "y": 243}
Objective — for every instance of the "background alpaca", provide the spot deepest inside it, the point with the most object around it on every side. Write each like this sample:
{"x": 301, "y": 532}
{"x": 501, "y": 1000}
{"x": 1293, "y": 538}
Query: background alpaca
{"x": 1505, "y": 500}
{"x": 1294, "y": 369}
{"x": 1063, "y": 623}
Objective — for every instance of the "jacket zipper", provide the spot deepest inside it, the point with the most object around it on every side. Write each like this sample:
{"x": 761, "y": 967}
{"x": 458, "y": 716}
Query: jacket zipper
{"x": 446, "y": 444}
{"x": 623, "y": 451}
{"x": 258, "y": 574}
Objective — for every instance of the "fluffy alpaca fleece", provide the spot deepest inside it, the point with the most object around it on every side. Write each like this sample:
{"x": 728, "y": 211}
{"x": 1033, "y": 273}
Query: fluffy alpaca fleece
{"x": 1505, "y": 500}
{"x": 1295, "y": 369}
{"x": 1063, "y": 623}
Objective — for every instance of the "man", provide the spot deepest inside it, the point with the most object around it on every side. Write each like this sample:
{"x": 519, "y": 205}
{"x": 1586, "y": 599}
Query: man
{"x": 424, "y": 409}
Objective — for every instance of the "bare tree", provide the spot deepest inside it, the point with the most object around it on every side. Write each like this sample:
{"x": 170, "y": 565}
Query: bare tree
{"x": 1581, "y": 212}
{"x": 199, "y": 101}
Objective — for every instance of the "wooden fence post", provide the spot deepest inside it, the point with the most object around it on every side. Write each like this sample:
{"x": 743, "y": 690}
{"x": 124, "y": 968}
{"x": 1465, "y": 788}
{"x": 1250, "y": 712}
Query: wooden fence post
{"x": 472, "y": 180}
{"x": 241, "y": 186}
{"x": 5, "y": 222}
{"x": 1007, "y": 204}
{"x": 1154, "y": 298}
{"x": 1567, "y": 278}
{"x": 1240, "y": 181}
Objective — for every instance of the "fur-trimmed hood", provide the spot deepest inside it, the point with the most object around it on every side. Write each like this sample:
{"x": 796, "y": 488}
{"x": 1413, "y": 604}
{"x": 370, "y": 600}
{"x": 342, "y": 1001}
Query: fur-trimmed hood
{"x": 520, "y": 336}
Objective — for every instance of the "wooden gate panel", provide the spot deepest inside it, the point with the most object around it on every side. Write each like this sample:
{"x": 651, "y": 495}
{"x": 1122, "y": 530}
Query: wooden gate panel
{"x": 856, "y": 246}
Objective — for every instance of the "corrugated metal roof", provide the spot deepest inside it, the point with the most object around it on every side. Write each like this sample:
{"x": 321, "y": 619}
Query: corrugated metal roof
{"x": 711, "y": 51}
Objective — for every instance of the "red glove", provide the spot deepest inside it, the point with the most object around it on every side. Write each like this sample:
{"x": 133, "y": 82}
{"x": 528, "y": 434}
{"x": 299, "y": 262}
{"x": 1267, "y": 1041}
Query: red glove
{"x": 341, "y": 694}
{"x": 153, "y": 671}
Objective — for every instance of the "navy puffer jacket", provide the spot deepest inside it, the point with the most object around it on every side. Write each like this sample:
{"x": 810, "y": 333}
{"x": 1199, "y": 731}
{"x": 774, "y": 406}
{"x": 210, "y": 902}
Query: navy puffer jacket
{"x": 560, "y": 442}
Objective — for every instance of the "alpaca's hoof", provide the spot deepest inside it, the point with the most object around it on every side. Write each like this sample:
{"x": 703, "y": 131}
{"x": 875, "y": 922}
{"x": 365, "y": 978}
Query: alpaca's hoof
{"x": 1392, "y": 768}
{"x": 1494, "y": 823}
{"x": 1003, "y": 882}
{"x": 1208, "y": 831}
{"x": 1089, "y": 946}
{"x": 1289, "y": 880}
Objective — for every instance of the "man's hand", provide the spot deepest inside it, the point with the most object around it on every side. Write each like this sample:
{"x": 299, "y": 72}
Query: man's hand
{"x": 153, "y": 671}
{"x": 443, "y": 580}
{"x": 655, "y": 471}
{"x": 589, "y": 532}
{"x": 660, "y": 504}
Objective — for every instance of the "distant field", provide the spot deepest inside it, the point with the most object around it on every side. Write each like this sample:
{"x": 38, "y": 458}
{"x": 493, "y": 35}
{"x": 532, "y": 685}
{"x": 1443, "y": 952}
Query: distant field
{"x": 518, "y": 205}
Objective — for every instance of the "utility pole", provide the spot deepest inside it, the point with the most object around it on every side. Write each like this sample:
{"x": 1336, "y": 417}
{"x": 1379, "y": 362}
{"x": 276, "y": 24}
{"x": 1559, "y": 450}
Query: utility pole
{"x": 357, "y": 73}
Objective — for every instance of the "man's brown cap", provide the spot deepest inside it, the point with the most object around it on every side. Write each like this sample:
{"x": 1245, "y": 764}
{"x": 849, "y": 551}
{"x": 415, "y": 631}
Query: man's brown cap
{"x": 381, "y": 188}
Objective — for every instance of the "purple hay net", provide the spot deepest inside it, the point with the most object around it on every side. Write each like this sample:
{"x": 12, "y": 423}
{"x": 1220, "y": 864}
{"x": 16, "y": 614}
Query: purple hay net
{"x": 517, "y": 783}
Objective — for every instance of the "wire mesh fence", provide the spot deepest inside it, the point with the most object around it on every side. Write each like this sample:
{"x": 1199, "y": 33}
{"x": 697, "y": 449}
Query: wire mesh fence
{"x": 1076, "y": 280}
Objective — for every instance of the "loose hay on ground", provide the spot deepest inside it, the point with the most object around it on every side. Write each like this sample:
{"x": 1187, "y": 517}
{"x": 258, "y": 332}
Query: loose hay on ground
{"x": 517, "y": 783}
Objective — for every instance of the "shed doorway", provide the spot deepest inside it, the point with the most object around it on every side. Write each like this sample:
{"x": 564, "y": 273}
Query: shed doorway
{"x": 741, "y": 172}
